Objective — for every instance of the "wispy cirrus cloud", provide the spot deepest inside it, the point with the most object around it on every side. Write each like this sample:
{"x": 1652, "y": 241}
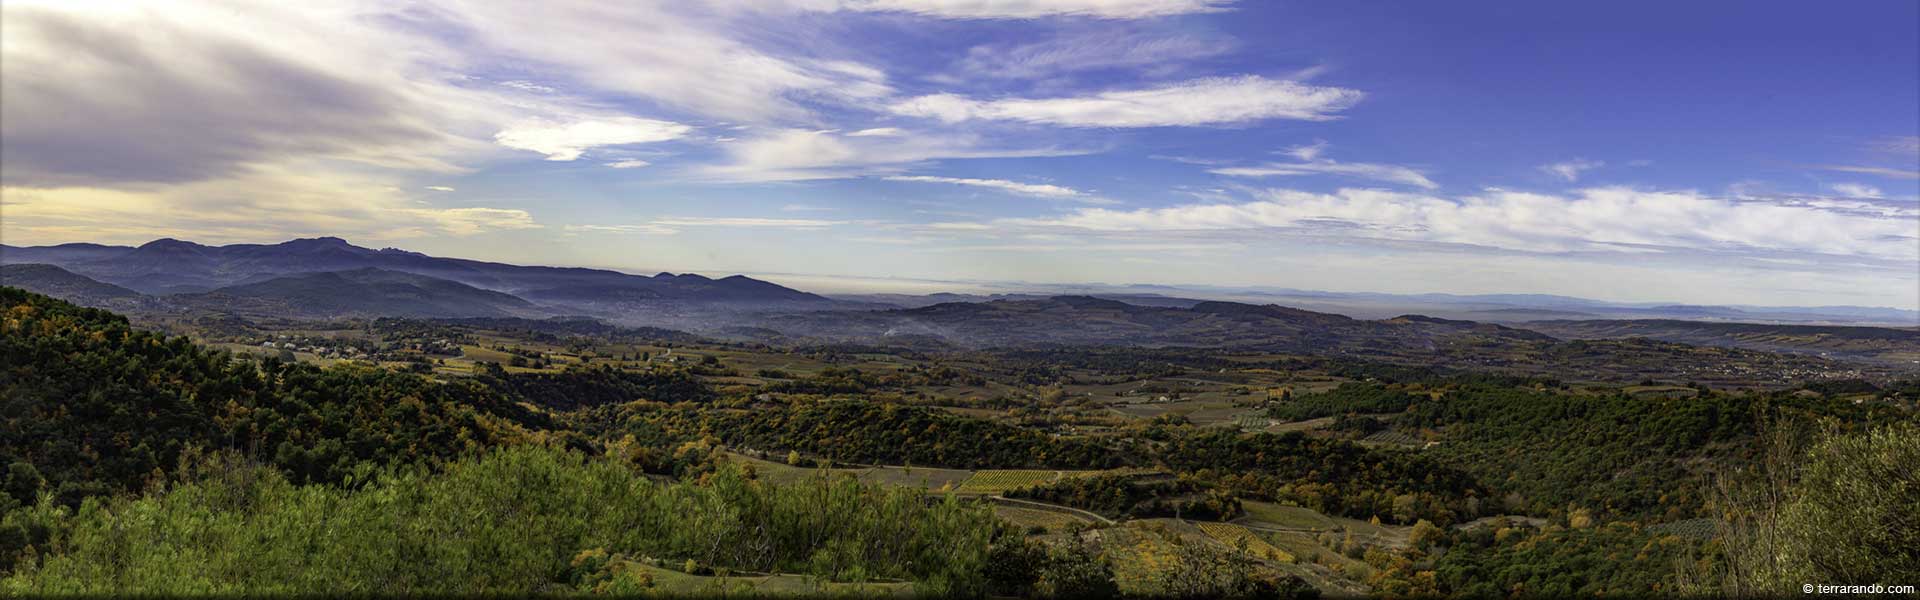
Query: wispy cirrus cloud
{"x": 1033, "y": 9}
{"x": 1571, "y": 170}
{"x": 674, "y": 225}
{"x": 1211, "y": 101}
{"x": 1091, "y": 50}
{"x": 1310, "y": 163}
{"x": 1597, "y": 219}
{"x": 1869, "y": 170}
{"x": 747, "y": 222}
{"x": 803, "y": 155}
{"x": 1037, "y": 190}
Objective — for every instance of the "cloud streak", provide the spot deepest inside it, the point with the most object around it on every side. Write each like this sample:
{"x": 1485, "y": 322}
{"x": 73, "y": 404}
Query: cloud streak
{"x": 1037, "y": 190}
{"x": 1211, "y": 101}
{"x": 567, "y": 141}
{"x": 1034, "y": 9}
{"x": 1312, "y": 164}
{"x": 1090, "y": 51}
{"x": 803, "y": 155}
{"x": 1571, "y": 170}
{"x": 1608, "y": 219}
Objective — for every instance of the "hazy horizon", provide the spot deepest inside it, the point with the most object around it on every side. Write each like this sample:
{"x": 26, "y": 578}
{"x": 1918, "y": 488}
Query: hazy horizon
{"x": 855, "y": 285}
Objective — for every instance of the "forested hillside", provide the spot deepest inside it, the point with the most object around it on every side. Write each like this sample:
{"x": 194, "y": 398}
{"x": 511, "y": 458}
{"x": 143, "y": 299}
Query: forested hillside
{"x": 97, "y": 406}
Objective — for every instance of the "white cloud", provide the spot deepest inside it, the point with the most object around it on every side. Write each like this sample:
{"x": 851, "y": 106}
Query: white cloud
{"x": 1312, "y": 164}
{"x": 1570, "y": 170}
{"x": 1032, "y": 9}
{"x": 110, "y": 94}
{"x": 628, "y": 164}
{"x": 807, "y": 208}
{"x": 648, "y": 229}
{"x": 674, "y": 225}
{"x": 877, "y": 132}
{"x": 528, "y": 86}
{"x": 1212, "y": 101}
{"x": 470, "y": 221}
{"x": 1091, "y": 50}
{"x": 1378, "y": 172}
{"x": 262, "y": 204}
{"x": 699, "y": 57}
{"x": 801, "y": 155}
{"x": 566, "y": 141}
{"x": 747, "y": 222}
{"x": 440, "y": 188}
{"x": 1040, "y": 190}
{"x": 1856, "y": 190}
{"x": 958, "y": 226}
{"x": 1907, "y": 145}
{"x": 1881, "y": 171}
{"x": 1309, "y": 152}
{"x": 1597, "y": 219}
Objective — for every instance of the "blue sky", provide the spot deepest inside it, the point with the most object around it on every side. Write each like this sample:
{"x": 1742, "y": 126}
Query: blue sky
{"x": 1704, "y": 152}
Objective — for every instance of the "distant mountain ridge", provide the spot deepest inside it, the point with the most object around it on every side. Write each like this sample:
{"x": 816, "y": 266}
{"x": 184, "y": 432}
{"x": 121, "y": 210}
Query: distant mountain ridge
{"x": 170, "y": 266}
{"x": 1513, "y": 309}
{"x": 1087, "y": 320}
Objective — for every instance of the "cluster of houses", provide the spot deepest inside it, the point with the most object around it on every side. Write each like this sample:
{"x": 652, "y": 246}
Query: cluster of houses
{"x": 342, "y": 352}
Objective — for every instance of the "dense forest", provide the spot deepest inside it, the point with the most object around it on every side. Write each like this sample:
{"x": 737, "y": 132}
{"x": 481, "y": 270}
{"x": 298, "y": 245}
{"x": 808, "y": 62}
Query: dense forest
{"x": 1331, "y": 476}
{"x": 859, "y": 431}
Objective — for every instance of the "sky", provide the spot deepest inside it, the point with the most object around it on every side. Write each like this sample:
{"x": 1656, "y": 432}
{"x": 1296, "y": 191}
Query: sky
{"x": 1755, "y": 152}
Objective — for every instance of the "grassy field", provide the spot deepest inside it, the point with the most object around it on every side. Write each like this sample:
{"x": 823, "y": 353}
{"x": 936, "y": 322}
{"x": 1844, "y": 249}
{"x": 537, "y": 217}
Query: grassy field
{"x": 1290, "y": 517}
{"x": 782, "y": 473}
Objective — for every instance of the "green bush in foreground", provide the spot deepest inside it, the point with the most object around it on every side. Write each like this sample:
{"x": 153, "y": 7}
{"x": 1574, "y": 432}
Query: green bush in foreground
{"x": 1843, "y": 510}
{"x": 514, "y": 520}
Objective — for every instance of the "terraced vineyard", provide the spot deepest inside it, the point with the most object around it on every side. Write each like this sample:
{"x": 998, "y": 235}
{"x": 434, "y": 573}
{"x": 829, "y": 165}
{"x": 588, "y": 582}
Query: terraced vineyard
{"x": 1033, "y": 517}
{"x": 994, "y": 482}
{"x": 1395, "y": 438}
{"x": 1240, "y": 537}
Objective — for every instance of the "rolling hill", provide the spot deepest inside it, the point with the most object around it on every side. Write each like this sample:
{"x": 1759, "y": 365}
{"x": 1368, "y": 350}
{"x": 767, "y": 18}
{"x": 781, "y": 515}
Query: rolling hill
{"x": 360, "y": 292}
{"x": 1881, "y": 343}
{"x": 61, "y": 283}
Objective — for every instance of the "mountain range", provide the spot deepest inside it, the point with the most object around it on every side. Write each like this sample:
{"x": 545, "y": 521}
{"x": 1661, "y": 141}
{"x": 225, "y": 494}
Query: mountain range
{"x": 324, "y": 277}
